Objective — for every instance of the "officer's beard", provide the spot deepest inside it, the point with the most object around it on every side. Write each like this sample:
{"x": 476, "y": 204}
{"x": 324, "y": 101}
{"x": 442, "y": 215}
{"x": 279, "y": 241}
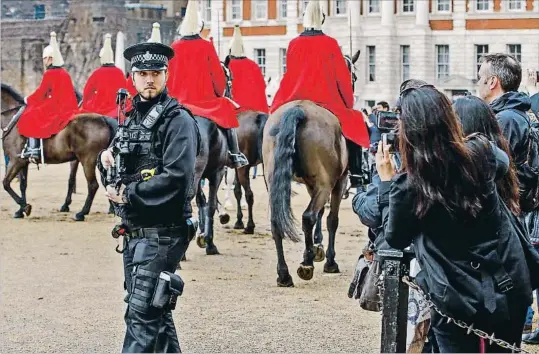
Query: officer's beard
{"x": 147, "y": 95}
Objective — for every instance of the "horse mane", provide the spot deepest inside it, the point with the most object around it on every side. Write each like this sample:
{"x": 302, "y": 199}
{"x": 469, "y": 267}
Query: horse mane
{"x": 17, "y": 96}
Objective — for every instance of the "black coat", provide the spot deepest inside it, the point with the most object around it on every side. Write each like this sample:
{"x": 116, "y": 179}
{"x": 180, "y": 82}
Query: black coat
{"x": 464, "y": 259}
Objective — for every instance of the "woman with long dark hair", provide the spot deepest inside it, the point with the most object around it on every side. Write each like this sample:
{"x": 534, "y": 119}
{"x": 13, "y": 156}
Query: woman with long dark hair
{"x": 445, "y": 201}
{"x": 477, "y": 117}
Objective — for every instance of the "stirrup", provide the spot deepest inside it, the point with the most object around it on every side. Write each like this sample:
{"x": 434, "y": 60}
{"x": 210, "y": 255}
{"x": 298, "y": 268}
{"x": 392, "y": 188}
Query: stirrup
{"x": 238, "y": 160}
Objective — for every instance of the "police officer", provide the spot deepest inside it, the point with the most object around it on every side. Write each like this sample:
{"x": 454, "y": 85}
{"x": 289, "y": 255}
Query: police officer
{"x": 153, "y": 199}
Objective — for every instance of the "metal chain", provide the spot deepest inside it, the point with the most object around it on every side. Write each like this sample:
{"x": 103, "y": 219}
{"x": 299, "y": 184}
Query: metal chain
{"x": 469, "y": 328}
{"x": 381, "y": 289}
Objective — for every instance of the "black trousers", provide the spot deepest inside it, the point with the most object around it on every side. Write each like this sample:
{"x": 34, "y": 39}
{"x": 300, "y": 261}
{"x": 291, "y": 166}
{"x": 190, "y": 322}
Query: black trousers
{"x": 355, "y": 153}
{"x": 149, "y": 329}
{"x": 453, "y": 339}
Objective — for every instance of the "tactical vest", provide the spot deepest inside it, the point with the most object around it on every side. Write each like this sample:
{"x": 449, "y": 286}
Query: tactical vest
{"x": 145, "y": 157}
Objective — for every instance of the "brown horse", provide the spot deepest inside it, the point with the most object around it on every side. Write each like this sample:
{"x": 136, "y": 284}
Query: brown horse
{"x": 250, "y": 143}
{"x": 81, "y": 140}
{"x": 304, "y": 142}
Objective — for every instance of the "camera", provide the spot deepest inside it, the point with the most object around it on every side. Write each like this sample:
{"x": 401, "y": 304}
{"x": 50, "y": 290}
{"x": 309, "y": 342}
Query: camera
{"x": 388, "y": 123}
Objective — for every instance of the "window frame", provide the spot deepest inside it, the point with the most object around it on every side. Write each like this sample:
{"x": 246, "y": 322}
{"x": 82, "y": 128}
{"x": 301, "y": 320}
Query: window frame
{"x": 369, "y": 12}
{"x": 448, "y": 2}
{"x": 478, "y": 56}
{"x": 403, "y": 64}
{"x": 518, "y": 56}
{"x": 230, "y": 11}
{"x": 335, "y": 7}
{"x": 255, "y": 7}
{"x": 438, "y": 64}
{"x": 280, "y": 9}
{"x": 282, "y": 61}
{"x": 204, "y": 8}
{"x": 476, "y": 6}
{"x": 371, "y": 64}
{"x": 508, "y": 3}
{"x": 257, "y": 57}
{"x": 404, "y": 5}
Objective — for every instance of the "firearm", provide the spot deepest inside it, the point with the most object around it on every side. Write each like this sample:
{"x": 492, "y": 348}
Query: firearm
{"x": 121, "y": 144}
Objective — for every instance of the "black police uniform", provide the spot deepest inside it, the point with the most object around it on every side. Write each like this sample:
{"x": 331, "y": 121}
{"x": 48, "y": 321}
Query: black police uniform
{"x": 162, "y": 144}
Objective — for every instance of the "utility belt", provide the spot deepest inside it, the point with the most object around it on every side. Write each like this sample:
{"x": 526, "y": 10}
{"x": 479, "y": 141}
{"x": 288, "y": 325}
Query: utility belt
{"x": 122, "y": 230}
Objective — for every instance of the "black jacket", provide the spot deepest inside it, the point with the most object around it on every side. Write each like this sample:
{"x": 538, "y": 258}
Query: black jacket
{"x": 366, "y": 206}
{"x": 164, "y": 199}
{"x": 464, "y": 260}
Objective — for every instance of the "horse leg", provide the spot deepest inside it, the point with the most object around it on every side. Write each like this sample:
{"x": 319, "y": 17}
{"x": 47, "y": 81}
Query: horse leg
{"x": 89, "y": 171}
{"x": 319, "y": 254}
{"x": 237, "y": 193}
{"x": 283, "y": 279}
{"x": 249, "y": 197}
{"x": 14, "y": 167}
{"x": 333, "y": 223}
{"x": 310, "y": 216}
{"x": 70, "y": 185}
{"x": 202, "y": 206}
{"x": 214, "y": 182}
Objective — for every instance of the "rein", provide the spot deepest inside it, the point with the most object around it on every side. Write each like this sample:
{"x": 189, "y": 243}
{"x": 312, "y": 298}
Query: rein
{"x": 12, "y": 122}
{"x": 11, "y": 109}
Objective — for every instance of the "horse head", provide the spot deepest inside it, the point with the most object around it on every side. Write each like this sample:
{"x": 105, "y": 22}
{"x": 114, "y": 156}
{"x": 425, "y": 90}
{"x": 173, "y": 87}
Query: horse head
{"x": 11, "y": 102}
{"x": 272, "y": 86}
{"x": 350, "y": 62}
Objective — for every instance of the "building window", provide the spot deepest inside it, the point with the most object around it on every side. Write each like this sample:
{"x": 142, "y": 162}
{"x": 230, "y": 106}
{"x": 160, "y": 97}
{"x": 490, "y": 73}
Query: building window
{"x": 482, "y": 5}
{"x": 340, "y": 7}
{"x": 282, "y": 9}
{"x": 480, "y": 50}
{"x": 235, "y": 7}
{"x": 371, "y": 50}
{"x": 374, "y": 6}
{"x": 407, "y": 5}
{"x": 444, "y": 5}
{"x": 515, "y": 5}
{"x": 442, "y": 61}
{"x": 282, "y": 57}
{"x": 260, "y": 59}
{"x": 39, "y": 12}
{"x": 260, "y": 10}
{"x": 516, "y": 51}
{"x": 405, "y": 62}
{"x": 206, "y": 10}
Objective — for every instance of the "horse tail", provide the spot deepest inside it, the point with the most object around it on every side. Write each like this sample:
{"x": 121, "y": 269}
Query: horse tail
{"x": 261, "y": 120}
{"x": 113, "y": 126}
{"x": 282, "y": 218}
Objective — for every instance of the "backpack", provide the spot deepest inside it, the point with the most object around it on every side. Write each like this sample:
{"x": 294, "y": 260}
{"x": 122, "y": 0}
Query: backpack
{"x": 529, "y": 194}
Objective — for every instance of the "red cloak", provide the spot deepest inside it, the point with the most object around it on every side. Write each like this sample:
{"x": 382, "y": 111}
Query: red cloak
{"x": 197, "y": 81}
{"x": 51, "y": 107}
{"x": 316, "y": 71}
{"x": 100, "y": 91}
{"x": 248, "y": 85}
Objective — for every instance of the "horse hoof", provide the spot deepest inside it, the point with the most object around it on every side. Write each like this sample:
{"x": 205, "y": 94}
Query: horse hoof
{"x": 179, "y": 266}
{"x": 201, "y": 242}
{"x": 305, "y": 272}
{"x": 331, "y": 268}
{"x": 224, "y": 219}
{"x": 183, "y": 258}
{"x": 319, "y": 254}
{"x": 286, "y": 283}
{"x": 78, "y": 217}
{"x": 239, "y": 225}
{"x": 27, "y": 210}
{"x": 345, "y": 195}
{"x": 19, "y": 214}
{"x": 249, "y": 230}
{"x": 64, "y": 209}
{"x": 212, "y": 251}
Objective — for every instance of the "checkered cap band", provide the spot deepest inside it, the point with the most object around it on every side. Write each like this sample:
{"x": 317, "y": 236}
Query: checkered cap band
{"x": 147, "y": 57}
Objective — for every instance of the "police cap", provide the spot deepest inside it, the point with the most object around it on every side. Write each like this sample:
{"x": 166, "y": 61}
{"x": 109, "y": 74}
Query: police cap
{"x": 148, "y": 56}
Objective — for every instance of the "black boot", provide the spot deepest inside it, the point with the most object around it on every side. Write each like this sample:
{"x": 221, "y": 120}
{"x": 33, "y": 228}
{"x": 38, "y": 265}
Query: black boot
{"x": 32, "y": 151}
{"x": 237, "y": 157}
{"x": 354, "y": 164}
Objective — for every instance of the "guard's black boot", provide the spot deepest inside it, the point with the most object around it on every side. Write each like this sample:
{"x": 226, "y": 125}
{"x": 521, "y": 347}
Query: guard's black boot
{"x": 32, "y": 151}
{"x": 237, "y": 157}
{"x": 354, "y": 164}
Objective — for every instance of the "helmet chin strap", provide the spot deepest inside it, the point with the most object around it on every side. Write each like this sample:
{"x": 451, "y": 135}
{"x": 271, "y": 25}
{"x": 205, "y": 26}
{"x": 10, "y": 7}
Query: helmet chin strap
{"x": 202, "y": 28}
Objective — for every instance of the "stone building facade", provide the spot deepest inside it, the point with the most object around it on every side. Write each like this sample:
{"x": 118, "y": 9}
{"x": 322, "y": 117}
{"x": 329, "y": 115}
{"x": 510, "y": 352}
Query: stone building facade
{"x": 435, "y": 40}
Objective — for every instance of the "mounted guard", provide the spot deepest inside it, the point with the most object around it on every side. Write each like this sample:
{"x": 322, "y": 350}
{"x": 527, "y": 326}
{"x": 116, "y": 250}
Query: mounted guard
{"x": 317, "y": 71}
{"x": 249, "y": 86}
{"x": 100, "y": 90}
{"x": 52, "y": 105}
{"x": 197, "y": 80}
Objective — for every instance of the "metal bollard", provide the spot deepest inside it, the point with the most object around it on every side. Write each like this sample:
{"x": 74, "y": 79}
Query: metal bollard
{"x": 395, "y": 264}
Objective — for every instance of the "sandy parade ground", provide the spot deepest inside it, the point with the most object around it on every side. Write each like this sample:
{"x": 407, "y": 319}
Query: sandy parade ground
{"x": 62, "y": 282}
